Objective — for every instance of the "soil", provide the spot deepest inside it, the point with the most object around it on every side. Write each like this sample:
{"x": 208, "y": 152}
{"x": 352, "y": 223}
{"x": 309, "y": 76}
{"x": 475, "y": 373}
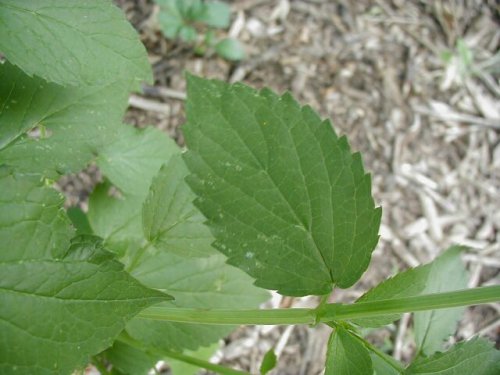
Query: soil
{"x": 414, "y": 85}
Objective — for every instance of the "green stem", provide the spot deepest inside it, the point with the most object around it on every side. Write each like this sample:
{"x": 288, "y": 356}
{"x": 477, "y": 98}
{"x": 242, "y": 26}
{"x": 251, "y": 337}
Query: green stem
{"x": 183, "y": 358}
{"x": 328, "y": 312}
{"x": 433, "y": 301}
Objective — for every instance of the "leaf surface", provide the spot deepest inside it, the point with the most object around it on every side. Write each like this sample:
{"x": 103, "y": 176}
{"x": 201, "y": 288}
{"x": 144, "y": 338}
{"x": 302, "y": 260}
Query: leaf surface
{"x": 346, "y": 355}
{"x": 60, "y": 302}
{"x": 269, "y": 362}
{"x": 78, "y": 122}
{"x": 33, "y": 224}
{"x": 203, "y": 283}
{"x": 170, "y": 219}
{"x": 476, "y": 356}
{"x": 89, "y": 44}
{"x": 115, "y": 218}
{"x": 134, "y": 158}
{"x": 433, "y": 327}
{"x": 215, "y": 14}
{"x": 231, "y": 49}
{"x": 285, "y": 198}
{"x": 128, "y": 360}
{"x": 422, "y": 280}
{"x": 179, "y": 260}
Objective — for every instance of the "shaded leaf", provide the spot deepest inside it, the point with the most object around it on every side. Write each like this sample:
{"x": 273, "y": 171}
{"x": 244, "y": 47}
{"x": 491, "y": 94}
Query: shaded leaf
{"x": 79, "y": 220}
{"x": 89, "y": 44}
{"x": 132, "y": 160}
{"x": 114, "y": 218}
{"x": 346, "y": 355}
{"x": 286, "y": 200}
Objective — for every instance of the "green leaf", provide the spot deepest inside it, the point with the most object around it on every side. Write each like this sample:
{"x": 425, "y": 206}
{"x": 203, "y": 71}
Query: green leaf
{"x": 115, "y": 218}
{"x": 183, "y": 368}
{"x": 433, "y": 327}
{"x": 346, "y": 355}
{"x": 420, "y": 280}
{"x": 230, "y": 49}
{"x": 215, "y": 14}
{"x": 268, "y": 362}
{"x": 187, "y": 33}
{"x": 286, "y": 200}
{"x": 79, "y": 220}
{"x": 89, "y": 44}
{"x": 170, "y": 220}
{"x": 54, "y": 314}
{"x": 129, "y": 360}
{"x": 169, "y": 18}
{"x": 78, "y": 122}
{"x": 381, "y": 367}
{"x": 59, "y": 302}
{"x": 203, "y": 283}
{"x": 33, "y": 224}
{"x": 476, "y": 356}
{"x": 132, "y": 160}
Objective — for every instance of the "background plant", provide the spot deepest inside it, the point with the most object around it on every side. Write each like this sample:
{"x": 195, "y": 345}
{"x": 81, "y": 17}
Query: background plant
{"x": 68, "y": 295}
{"x": 185, "y": 19}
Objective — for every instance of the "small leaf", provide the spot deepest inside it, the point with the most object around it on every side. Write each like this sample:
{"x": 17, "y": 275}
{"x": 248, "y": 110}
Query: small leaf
{"x": 188, "y": 34}
{"x": 170, "y": 18}
{"x": 476, "y": 356}
{"x": 230, "y": 49}
{"x": 88, "y": 44}
{"x": 215, "y": 14}
{"x": 346, "y": 355}
{"x": 268, "y": 362}
{"x": 417, "y": 281}
{"x": 284, "y": 197}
